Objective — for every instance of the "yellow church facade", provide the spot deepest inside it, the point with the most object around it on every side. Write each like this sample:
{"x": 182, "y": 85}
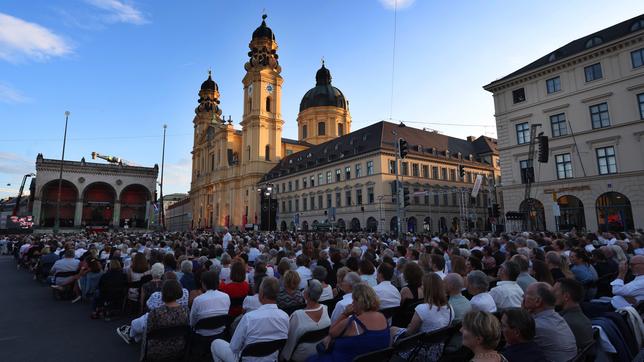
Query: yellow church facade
{"x": 228, "y": 163}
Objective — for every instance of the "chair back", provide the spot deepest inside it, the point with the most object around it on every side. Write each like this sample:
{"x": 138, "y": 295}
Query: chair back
{"x": 261, "y": 349}
{"x": 290, "y": 310}
{"x": 214, "y": 322}
{"x": 330, "y": 304}
{"x": 311, "y": 337}
{"x": 65, "y": 274}
{"x": 379, "y": 355}
{"x": 237, "y": 302}
{"x": 389, "y": 312}
{"x": 589, "y": 352}
{"x": 165, "y": 333}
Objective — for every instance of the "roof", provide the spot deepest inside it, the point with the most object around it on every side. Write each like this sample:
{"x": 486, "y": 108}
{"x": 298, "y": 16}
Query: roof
{"x": 376, "y": 137}
{"x": 296, "y": 142}
{"x": 580, "y": 45}
{"x": 263, "y": 31}
{"x": 323, "y": 94}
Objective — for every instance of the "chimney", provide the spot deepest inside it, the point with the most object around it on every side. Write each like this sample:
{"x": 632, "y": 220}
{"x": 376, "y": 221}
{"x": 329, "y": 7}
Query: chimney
{"x": 471, "y": 138}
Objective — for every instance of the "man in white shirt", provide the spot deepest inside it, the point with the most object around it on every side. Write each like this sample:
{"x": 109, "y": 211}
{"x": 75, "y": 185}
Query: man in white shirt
{"x": 303, "y": 270}
{"x": 267, "y": 323}
{"x": 438, "y": 265}
{"x": 388, "y": 294}
{"x": 211, "y": 303}
{"x": 629, "y": 294}
{"x": 349, "y": 281}
{"x": 477, "y": 285}
{"x": 226, "y": 239}
{"x": 253, "y": 252}
{"x": 507, "y": 293}
{"x": 66, "y": 264}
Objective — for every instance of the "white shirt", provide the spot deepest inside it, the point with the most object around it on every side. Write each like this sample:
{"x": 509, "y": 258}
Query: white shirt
{"x": 441, "y": 274}
{"x": 251, "y": 303}
{"x": 327, "y": 293}
{"x": 634, "y": 289}
{"x": 388, "y": 294}
{"x": 340, "y": 306}
{"x": 507, "y": 294}
{"x": 224, "y": 274}
{"x": 253, "y": 253}
{"x": 211, "y": 303}
{"x": 267, "y": 323}
{"x": 79, "y": 252}
{"x": 299, "y": 324}
{"x": 64, "y": 265}
{"x": 483, "y": 302}
{"x": 226, "y": 239}
{"x": 433, "y": 318}
{"x": 305, "y": 275}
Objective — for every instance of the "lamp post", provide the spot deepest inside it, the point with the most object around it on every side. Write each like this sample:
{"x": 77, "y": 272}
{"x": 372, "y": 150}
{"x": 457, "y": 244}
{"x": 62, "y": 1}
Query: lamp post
{"x": 165, "y": 127}
{"x": 60, "y": 177}
{"x": 267, "y": 190}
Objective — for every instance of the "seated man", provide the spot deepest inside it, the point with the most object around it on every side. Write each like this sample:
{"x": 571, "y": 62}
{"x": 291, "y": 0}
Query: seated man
{"x": 454, "y": 285}
{"x": 388, "y": 294}
{"x": 629, "y": 294}
{"x": 209, "y": 304}
{"x": 569, "y": 293}
{"x": 518, "y": 330}
{"x": 348, "y": 282}
{"x": 553, "y": 335}
{"x": 507, "y": 293}
{"x": 66, "y": 264}
{"x": 268, "y": 323}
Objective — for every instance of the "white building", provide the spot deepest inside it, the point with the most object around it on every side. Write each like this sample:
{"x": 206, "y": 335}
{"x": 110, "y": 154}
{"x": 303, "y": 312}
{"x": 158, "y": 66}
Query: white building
{"x": 588, "y": 97}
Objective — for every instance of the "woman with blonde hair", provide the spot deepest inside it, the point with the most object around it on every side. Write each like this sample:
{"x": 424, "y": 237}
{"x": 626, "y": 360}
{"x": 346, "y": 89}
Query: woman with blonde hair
{"x": 290, "y": 294}
{"x": 481, "y": 334}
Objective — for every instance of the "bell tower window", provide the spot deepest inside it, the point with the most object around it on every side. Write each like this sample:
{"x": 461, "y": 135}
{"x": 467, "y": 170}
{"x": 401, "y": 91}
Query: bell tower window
{"x": 268, "y": 104}
{"x": 321, "y": 129}
{"x": 305, "y": 131}
{"x": 267, "y": 153}
{"x": 250, "y": 104}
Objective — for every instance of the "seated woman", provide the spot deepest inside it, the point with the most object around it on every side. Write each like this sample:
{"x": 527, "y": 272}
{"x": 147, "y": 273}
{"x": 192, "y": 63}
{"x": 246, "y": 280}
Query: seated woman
{"x": 481, "y": 334}
{"x": 410, "y": 295}
{"x": 290, "y": 295}
{"x": 435, "y": 313}
{"x": 154, "y": 285}
{"x": 89, "y": 279}
{"x": 314, "y": 317}
{"x": 137, "y": 270}
{"x": 111, "y": 288}
{"x": 360, "y": 329}
{"x": 170, "y": 314}
{"x": 237, "y": 289}
{"x": 320, "y": 273}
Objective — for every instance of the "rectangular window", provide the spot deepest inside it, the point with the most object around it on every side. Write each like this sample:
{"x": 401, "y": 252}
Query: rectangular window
{"x": 347, "y": 173}
{"x": 599, "y": 115}
{"x": 553, "y": 85}
{"x": 454, "y": 199}
{"x": 283, "y": 187}
{"x": 637, "y": 58}
{"x": 606, "y": 161}
{"x": 527, "y": 171}
{"x": 359, "y": 197}
{"x": 290, "y": 205}
{"x": 443, "y": 173}
{"x": 435, "y": 172}
{"x": 338, "y": 199}
{"x": 370, "y": 195}
{"x": 523, "y": 133}
{"x": 297, "y": 184}
{"x": 328, "y": 201}
{"x": 369, "y": 168}
{"x": 416, "y": 197}
{"x": 338, "y": 175}
{"x": 394, "y": 193}
{"x": 564, "y": 166}
{"x": 347, "y": 194}
{"x": 320, "y": 179}
{"x": 392, "y": 166}
{"x": 312, "y": 201}
{"x": 405, "y": 169}
{"x": 328, "y": 177}
{"x": 415, "y": 170}
{"x": 593, "y": 72}
{"x": 469, "y": 177}
{"x": 640, "y": 101}
{"x": 304, "y": 182}
{"x": 445, "y": 200}
{"x": 426, "y": 197}
{"x": 452, "y": 174}
{"x": 277, "y": 188}
{"x": 297, "y": 205}
{"x": 518, "y": 95}
{"x": 425, "y": 171}
{"x": 558, "y": 124}
{"x": 312, "y": 181}
{"x": 358, "y": 170}
{"x": 284, "y": 205}
{"x": 290, "y": 186}
{"x": 304, "y": 203}
{"x": 436, "y": 199}
{"x": 320, "y": 202}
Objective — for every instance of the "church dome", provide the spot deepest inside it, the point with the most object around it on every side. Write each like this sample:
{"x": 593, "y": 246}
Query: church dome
{"x": 323, "y": 94}
{"x": 209, "y": 84}
{"x": 263, "y": 31}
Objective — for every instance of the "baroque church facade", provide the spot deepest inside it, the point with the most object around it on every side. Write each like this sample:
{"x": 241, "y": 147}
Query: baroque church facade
{"x": 228, "y": 163}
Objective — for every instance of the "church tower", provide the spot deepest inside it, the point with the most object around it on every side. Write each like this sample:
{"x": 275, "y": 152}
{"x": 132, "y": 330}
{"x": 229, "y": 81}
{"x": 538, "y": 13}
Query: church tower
{"x": 324, "y": 112}
{"x": 262, "y": 119}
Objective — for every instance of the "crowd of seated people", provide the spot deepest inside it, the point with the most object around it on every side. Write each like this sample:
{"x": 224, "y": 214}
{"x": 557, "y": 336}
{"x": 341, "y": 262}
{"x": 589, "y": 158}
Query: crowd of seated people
{"x": 295, "y": 296}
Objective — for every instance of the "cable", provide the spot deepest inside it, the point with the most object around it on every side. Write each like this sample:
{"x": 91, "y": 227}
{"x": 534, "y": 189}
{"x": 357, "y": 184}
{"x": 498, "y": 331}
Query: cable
{"x": 393, "y": 61}
{"x": 88, "y": 138}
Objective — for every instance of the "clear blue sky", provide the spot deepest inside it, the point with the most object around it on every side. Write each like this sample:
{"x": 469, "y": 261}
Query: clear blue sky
{"x": 125, "y": 67}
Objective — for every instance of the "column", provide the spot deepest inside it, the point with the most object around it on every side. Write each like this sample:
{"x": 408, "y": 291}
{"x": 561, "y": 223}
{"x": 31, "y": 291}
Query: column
{"x": 116, "y": 216}
{"x": 78, "y": 213}
{"x": 36, "y": 211}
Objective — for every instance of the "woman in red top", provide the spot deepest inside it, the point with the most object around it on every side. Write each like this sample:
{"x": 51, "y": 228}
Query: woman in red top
{"x": 237, "y": 289}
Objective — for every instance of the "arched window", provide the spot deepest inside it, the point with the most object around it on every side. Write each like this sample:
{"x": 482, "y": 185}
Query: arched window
{"x": 305, "y": 131}
{"x": 267, "y": 153}
{"x": 268, "y": 104}
{"x": 321, "y": 129}
{"x": 340, "y": 129}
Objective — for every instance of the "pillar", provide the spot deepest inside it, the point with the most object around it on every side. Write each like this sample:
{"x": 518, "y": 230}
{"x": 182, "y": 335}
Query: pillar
{"x": 78, "y": 213}
{"x": 37, "y": 211}
{"x": 116, "y": 216}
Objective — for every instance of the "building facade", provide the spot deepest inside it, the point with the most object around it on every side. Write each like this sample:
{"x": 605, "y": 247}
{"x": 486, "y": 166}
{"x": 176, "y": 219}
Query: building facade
{"x": 588, "y": 98}
{"x": 93, "y": 194}
{"x": 228, "y": 163}
{"x": 349, "y": 182}
{"x": 178, "y": 215}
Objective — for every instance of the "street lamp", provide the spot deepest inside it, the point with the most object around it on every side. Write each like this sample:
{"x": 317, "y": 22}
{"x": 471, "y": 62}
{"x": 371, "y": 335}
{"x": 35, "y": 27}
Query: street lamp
{"x": 60, "y": 177}
{"x": 267, "y": 190}
{"x": 165, "y": 127}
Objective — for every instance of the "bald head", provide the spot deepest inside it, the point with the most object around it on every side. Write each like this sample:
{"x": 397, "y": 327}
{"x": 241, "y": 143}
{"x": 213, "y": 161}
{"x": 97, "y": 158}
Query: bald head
{"x": 637, "y": 264}
{"x": 453, "y": 283}
{"x": 538, "y": 297}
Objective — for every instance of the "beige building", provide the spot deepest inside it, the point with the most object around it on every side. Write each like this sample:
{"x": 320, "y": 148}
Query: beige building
{"x": 178, "y": 215}
{"x": 227, "y": 163}
{"x": 588, "y": 98}
{"x": 348, "y": 182}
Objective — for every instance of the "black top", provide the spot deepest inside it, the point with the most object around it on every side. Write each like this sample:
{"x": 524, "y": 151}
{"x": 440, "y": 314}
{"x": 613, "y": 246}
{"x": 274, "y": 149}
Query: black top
{"x": 263, "y": 31}
{"x": 323, "y": 94}
{"x": 523, "y": 352}
{"x": 209, "y": 84}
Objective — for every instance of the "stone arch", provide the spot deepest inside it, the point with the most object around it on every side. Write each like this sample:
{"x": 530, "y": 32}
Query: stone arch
{"x": 49, "y": 200}
{"x": 393, "y": 224}
{"x": 134, "y": 206}
{"x": 572, "y": 213}
{"x": 98, "y": 204}
{"x": 442, "y": 224}
{"x": 305, "y": 225}
{"x": 412, "y": 224}
{"x": 427, "y": 224}
{"x": 341, "y": 225}
{"x": 283, "y": 225}
{"x": 614, "y": 212}
{"x": 536, "y": 217}
{"x": 355, "y": 224}
{"x": 372, "y": 225}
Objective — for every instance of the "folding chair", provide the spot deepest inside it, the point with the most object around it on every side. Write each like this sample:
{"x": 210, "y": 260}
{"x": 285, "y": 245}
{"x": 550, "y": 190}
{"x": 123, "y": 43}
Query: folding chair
{"x": 290, "y": 310}
{"x": 310, "y": 337}
{"x": 165, "y": 334}
{"x": 263, "y": 349}
{"x": 199, "y": 346}
{"x": 379, "y": 355}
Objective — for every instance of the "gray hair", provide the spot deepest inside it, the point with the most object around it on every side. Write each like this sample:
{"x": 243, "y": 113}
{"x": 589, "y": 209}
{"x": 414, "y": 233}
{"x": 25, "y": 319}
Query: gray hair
{"x": 478, "y": 280}
{"x": 157, "y": 270}
{"x": 186, "y": 266}
{"x": 269, "y": 288}
{"x": 454, "y": 282}
{"x": 225, "y": 258}
{"x": 352, "y": 278}
{"x": 314, "y": 290}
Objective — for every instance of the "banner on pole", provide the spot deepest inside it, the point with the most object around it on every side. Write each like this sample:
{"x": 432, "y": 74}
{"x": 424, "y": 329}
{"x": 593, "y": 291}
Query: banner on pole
{"x": 477, "y": 185}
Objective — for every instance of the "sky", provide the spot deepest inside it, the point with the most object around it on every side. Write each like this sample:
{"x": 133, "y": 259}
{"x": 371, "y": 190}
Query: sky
{"x": 123, "y": 68}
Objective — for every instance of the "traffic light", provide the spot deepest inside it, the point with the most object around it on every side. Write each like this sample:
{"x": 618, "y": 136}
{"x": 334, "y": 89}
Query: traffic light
{"x": 543, "y": 148}
{"x": 403, "y": 148}
{"x": 406, "y": 197}
{"x": 461, "y": 171}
